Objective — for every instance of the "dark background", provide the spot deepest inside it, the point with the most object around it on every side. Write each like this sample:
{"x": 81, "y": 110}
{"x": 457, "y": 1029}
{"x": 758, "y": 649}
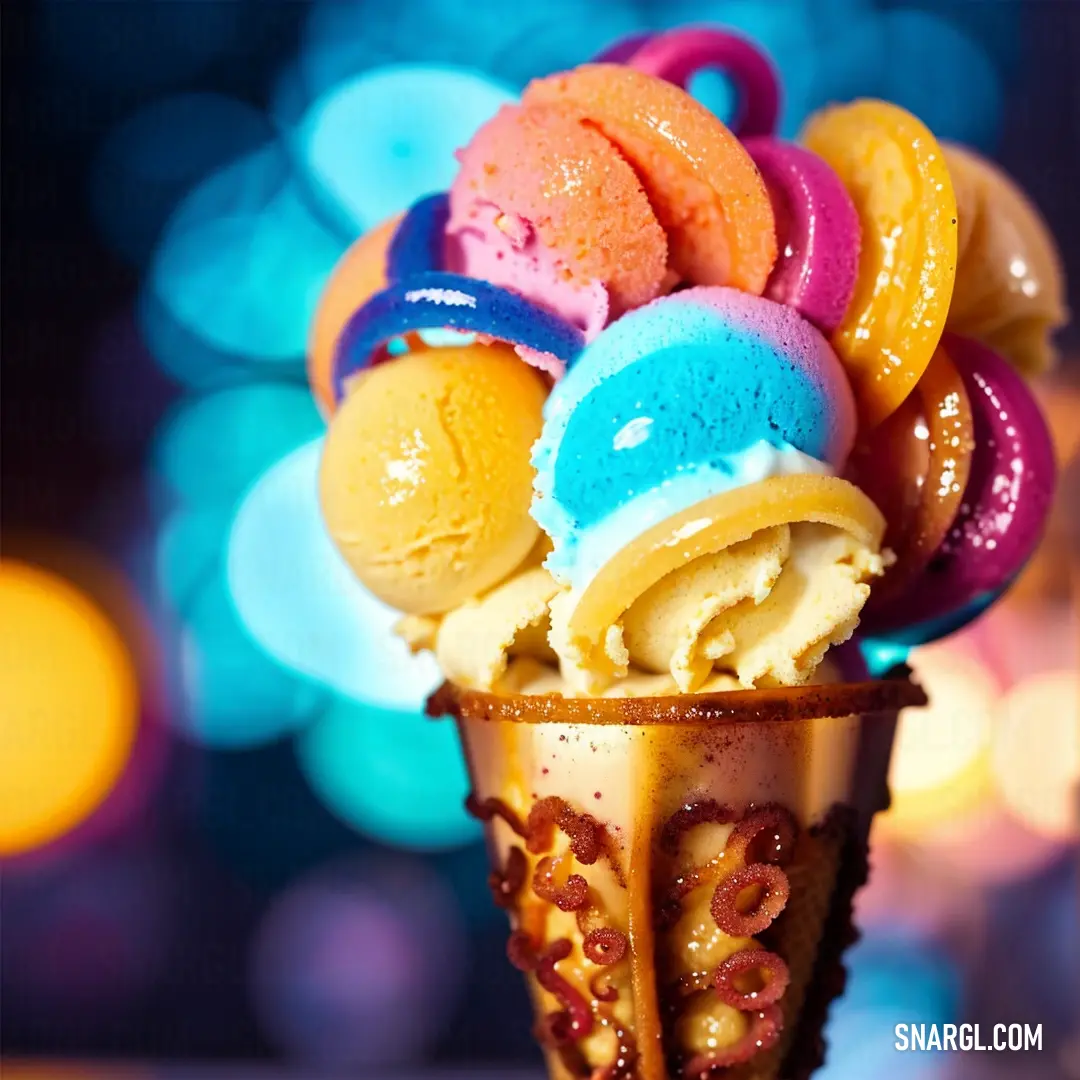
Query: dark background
{"x": 60, "y": 477}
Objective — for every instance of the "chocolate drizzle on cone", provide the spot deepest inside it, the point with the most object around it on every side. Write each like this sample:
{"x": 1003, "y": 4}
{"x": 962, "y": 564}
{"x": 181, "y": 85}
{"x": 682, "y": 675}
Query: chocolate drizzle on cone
{"x": 588, "y": 838}
{"x": 686, "y": 817}
{"x": 762, "y": 832}
{"x": 486, "y": 809}
{"x": 605, "y": 945}
{"x": 769, "y": 888}
{"x": 553, "y": 883}
{"x": 505, "y": 884}
{"x": 571, "y": 895}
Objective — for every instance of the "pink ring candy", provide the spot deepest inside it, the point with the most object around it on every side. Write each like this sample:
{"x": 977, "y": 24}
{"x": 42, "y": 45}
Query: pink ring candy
{"x": 817, "y": 232}
{"x": 621, "y": 50}
{"x": 680, "y": 54}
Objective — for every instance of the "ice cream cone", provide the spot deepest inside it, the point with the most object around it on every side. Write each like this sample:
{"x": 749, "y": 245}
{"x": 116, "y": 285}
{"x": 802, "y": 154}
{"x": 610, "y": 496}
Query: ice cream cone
{"x": 679, "y": 871}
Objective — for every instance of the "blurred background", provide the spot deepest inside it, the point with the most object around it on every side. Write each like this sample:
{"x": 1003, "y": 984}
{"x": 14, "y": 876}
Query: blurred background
{"x": 226, "y": 832}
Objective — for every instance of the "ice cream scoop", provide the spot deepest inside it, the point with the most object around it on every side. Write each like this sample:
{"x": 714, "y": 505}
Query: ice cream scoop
{"x": 425, "y": 479}
{"x": 895, "y": 172}
{"x": 545, "y": 205}
{"x": 358, "y": 276}
{"x": 1009, "y": 288}
{"x": 915, "y": 466}
{"x": 817, "y": 231}
{"x": 1004, "y": 508}
{"x": 705, "y": 191}
{"x": 699, "y": 392}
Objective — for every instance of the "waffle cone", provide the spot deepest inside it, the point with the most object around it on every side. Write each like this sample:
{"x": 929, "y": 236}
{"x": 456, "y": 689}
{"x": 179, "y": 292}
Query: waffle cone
{"x": 617, "y": 826}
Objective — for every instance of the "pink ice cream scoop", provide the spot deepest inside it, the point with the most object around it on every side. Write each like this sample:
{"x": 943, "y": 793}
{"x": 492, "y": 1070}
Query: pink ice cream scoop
{"x": 817, "y": 230}
{"x": 546, "y": 206}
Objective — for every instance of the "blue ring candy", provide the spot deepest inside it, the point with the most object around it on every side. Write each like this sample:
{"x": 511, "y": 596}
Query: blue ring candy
{"x": 438, "y": 299}
{"x": 416, "y": 246}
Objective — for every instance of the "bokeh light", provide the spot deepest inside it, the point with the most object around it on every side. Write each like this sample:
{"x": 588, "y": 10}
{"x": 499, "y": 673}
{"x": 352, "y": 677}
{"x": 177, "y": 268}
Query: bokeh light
{"x": 300, "y": 602}
{"x": 911, "y": 895}
{"x": 851, "y": 55}
{"x": 68, "y": 706}
{"x": 152, "y": 159}
{"x": 247, "y": 283}
{"x": 375, "y": 144}
{"x": 1019, "y": 637}
{"x": 948, "y": 80}
{"x": 242, "y": 189}
{"x": 988, "y": 847}
{"x": 189, "y": 551}
{"x": 184, "y": 357}
{"x": 535, "y": 37}
{"x": 890, "y": 982}
{"x": 940, "y": 762}
{"x": 94, "y": 932}
{"x": 226, "y": 692}
{"x": 211, "y": 449}
{"x": 837, "y": 50}
{"x": 359, "y": 966}
{"x": 113, "y": 592}
{"x": 1036, "y": 755}
{"x": 342, "y": 38}
{"x": 882, "y": 655}
{"x": 553, "y": 35}
{"x": 396, "y": 776}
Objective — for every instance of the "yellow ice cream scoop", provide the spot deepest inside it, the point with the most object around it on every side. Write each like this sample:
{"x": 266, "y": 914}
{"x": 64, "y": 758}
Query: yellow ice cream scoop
{"x": 426, "y": 479}
{"x": 1009, "y": 290}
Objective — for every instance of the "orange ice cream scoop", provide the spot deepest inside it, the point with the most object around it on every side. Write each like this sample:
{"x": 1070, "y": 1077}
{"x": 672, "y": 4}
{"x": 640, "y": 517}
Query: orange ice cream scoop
{"x": 359, "y": 274}
{"x": 706, "y": 191}
{"x": 426, "y": 480}
{"x": 541, "y": 176}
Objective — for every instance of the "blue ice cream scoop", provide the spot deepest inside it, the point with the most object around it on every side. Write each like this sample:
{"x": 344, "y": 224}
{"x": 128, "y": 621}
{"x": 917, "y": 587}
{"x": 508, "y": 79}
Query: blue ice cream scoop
{"x": 699, "y": 392}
